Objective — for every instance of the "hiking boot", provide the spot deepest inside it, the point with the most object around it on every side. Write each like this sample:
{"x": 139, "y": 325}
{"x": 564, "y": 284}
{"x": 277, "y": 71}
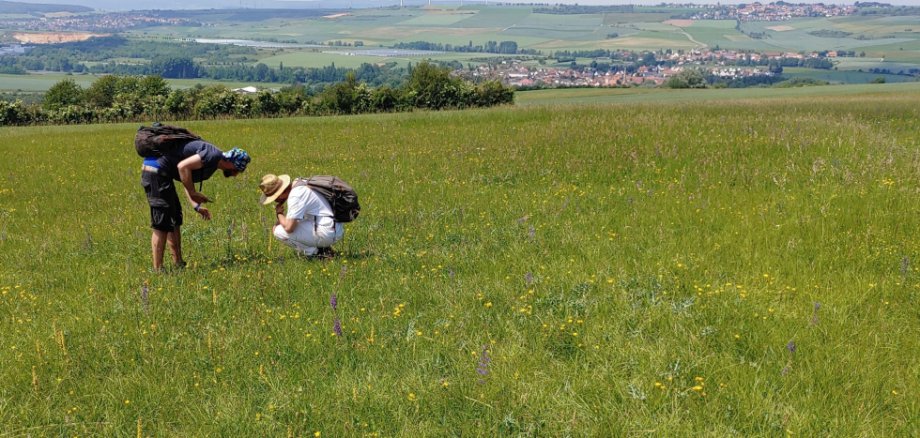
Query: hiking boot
{"x": 326, "y": 253}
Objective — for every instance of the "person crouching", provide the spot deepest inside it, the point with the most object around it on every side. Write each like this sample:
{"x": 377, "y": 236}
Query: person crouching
{"x": 308, "y": 224}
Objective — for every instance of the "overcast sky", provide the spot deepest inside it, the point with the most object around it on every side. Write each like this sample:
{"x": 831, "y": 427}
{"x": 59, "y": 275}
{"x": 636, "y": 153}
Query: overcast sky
{"x": 111, "y": 5}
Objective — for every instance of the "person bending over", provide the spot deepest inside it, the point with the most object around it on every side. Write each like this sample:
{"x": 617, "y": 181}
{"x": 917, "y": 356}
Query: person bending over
{"x": 190, "y": 164}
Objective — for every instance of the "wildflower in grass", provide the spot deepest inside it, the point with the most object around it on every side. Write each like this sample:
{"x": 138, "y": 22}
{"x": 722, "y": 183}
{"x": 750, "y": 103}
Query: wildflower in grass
{"x": 790, "y": 346}
{"x": 814, "y": 313}
{"x": 334, "y": 302}
{"x": 482, "y": 368}
{"x": 337, "y": 327}
{"x": 528, "y": 279}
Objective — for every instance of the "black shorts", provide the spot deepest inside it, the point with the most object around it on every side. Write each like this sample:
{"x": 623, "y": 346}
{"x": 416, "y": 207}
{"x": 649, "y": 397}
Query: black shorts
{"x": 165, "y": 209}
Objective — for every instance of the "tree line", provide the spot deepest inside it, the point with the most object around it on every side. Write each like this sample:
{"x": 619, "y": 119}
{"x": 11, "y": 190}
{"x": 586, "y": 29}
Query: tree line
{"x": 503, "y": 47}
{"x": 183, "y": 60}
{"x": 115, "y": 98}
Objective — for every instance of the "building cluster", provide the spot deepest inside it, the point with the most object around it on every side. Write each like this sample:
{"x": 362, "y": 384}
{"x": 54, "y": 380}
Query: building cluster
{"x": 110, "y": 22}
{"x": 779, "y": 11}
{"x": 521, "y": 76}
{"x": 726, "y": 64}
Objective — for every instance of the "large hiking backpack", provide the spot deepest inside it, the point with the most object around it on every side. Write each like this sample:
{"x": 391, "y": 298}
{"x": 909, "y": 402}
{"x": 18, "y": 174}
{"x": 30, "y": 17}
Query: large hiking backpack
{"x": 158, "y": 139}
{"x": 341, "y": 197}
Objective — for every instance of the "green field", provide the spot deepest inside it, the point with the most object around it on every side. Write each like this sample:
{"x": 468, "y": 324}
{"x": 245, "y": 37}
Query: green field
{"x": 42, "y": 82}
{"x": 606, "y": 96}
{"x": 742, "y": 268}
{"x": 846, "y": 76}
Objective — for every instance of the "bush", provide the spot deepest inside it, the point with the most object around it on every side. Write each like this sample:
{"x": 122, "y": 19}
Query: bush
{"x": 131, "y": 98}
{"x": 14, "y": 113}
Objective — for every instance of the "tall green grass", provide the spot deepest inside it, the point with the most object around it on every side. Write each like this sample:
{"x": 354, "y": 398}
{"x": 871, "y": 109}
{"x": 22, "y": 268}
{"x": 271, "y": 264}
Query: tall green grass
{"x": 719, "y": 268}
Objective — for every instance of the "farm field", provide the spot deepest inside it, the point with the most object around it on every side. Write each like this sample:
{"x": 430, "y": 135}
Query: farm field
{"x": 863, "y": 34}
{"x": 651, "y": 30}
{"x": 675, "y": 268}
{"x": 844, "y": 76}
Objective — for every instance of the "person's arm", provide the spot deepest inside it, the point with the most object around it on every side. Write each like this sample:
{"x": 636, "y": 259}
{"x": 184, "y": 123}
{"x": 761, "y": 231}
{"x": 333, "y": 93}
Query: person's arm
{"x": 185, "y": 168}
{"x": 287, "y": 223}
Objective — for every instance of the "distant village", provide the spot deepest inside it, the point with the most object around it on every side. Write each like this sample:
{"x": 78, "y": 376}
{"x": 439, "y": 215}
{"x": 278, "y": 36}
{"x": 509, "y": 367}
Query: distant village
{"x": 719, "y": 63}
{"x": 107, "y": 22}
{"x": 779, "y": 11}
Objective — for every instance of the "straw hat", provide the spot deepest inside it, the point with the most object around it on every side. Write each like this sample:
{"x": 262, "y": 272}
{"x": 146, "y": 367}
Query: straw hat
{"x": 272, "y": 187}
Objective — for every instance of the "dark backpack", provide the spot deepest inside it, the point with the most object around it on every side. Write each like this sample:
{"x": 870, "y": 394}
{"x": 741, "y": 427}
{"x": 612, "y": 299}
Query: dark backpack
{"x": 158, "y": 139}
{"x": 341, "y": 197}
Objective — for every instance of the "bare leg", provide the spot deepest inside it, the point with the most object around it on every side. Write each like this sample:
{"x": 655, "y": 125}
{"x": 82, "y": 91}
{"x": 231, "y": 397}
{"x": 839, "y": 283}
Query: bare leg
{"x": 158, "y": 246}
{"x": 174, "y": 238}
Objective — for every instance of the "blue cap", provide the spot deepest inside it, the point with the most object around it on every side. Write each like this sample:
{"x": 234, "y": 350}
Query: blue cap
{"x": 238, "y": 157}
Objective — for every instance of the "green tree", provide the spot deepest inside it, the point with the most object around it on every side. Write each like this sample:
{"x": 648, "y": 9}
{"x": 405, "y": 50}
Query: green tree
{"x": 291, "y": 99}
{"x": 102, "y": 92}
{"x": 216, "y": 101}
{"x": 62, "y": 94}
{"x": 688, "y": 78}
{"x": 178, "y": 104}
{"x": 174, "y": 67}
{"x": 267, "y": 105}
{"x": 509, "y": 47}
{"x": 346, "y": 97}
{"x": 493, "y": 93}
{"x": 153, "y": 86}
{"x": 432, "y": 87}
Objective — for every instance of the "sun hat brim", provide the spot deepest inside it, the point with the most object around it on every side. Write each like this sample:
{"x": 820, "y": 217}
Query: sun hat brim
{"x": 285, "y": 182}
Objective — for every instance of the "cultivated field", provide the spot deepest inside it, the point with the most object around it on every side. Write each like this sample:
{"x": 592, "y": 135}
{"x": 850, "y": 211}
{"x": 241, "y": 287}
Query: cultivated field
{"x": 691, "y": 269}
{"x": 893, "y": 37}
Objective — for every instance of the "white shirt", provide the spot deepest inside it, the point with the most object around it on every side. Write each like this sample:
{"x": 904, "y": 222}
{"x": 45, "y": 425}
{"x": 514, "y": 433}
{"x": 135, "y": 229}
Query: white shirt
{"x": 303, "y": 204}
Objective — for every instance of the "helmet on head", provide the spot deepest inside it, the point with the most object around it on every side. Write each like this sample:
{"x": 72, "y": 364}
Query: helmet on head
{"x": 238, "y": 157}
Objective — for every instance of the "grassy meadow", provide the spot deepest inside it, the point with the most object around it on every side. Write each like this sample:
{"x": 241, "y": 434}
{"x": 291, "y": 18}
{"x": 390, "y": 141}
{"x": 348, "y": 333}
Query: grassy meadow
{"x": 745, "y": 267}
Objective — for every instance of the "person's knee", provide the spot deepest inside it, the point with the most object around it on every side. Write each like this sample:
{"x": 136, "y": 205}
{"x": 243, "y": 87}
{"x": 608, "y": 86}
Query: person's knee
{"x": 279, "y": 232}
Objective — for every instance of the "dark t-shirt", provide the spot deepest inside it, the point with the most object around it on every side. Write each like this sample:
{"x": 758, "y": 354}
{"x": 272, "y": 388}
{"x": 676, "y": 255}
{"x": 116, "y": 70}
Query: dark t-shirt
{"x": 209, "y": 154}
